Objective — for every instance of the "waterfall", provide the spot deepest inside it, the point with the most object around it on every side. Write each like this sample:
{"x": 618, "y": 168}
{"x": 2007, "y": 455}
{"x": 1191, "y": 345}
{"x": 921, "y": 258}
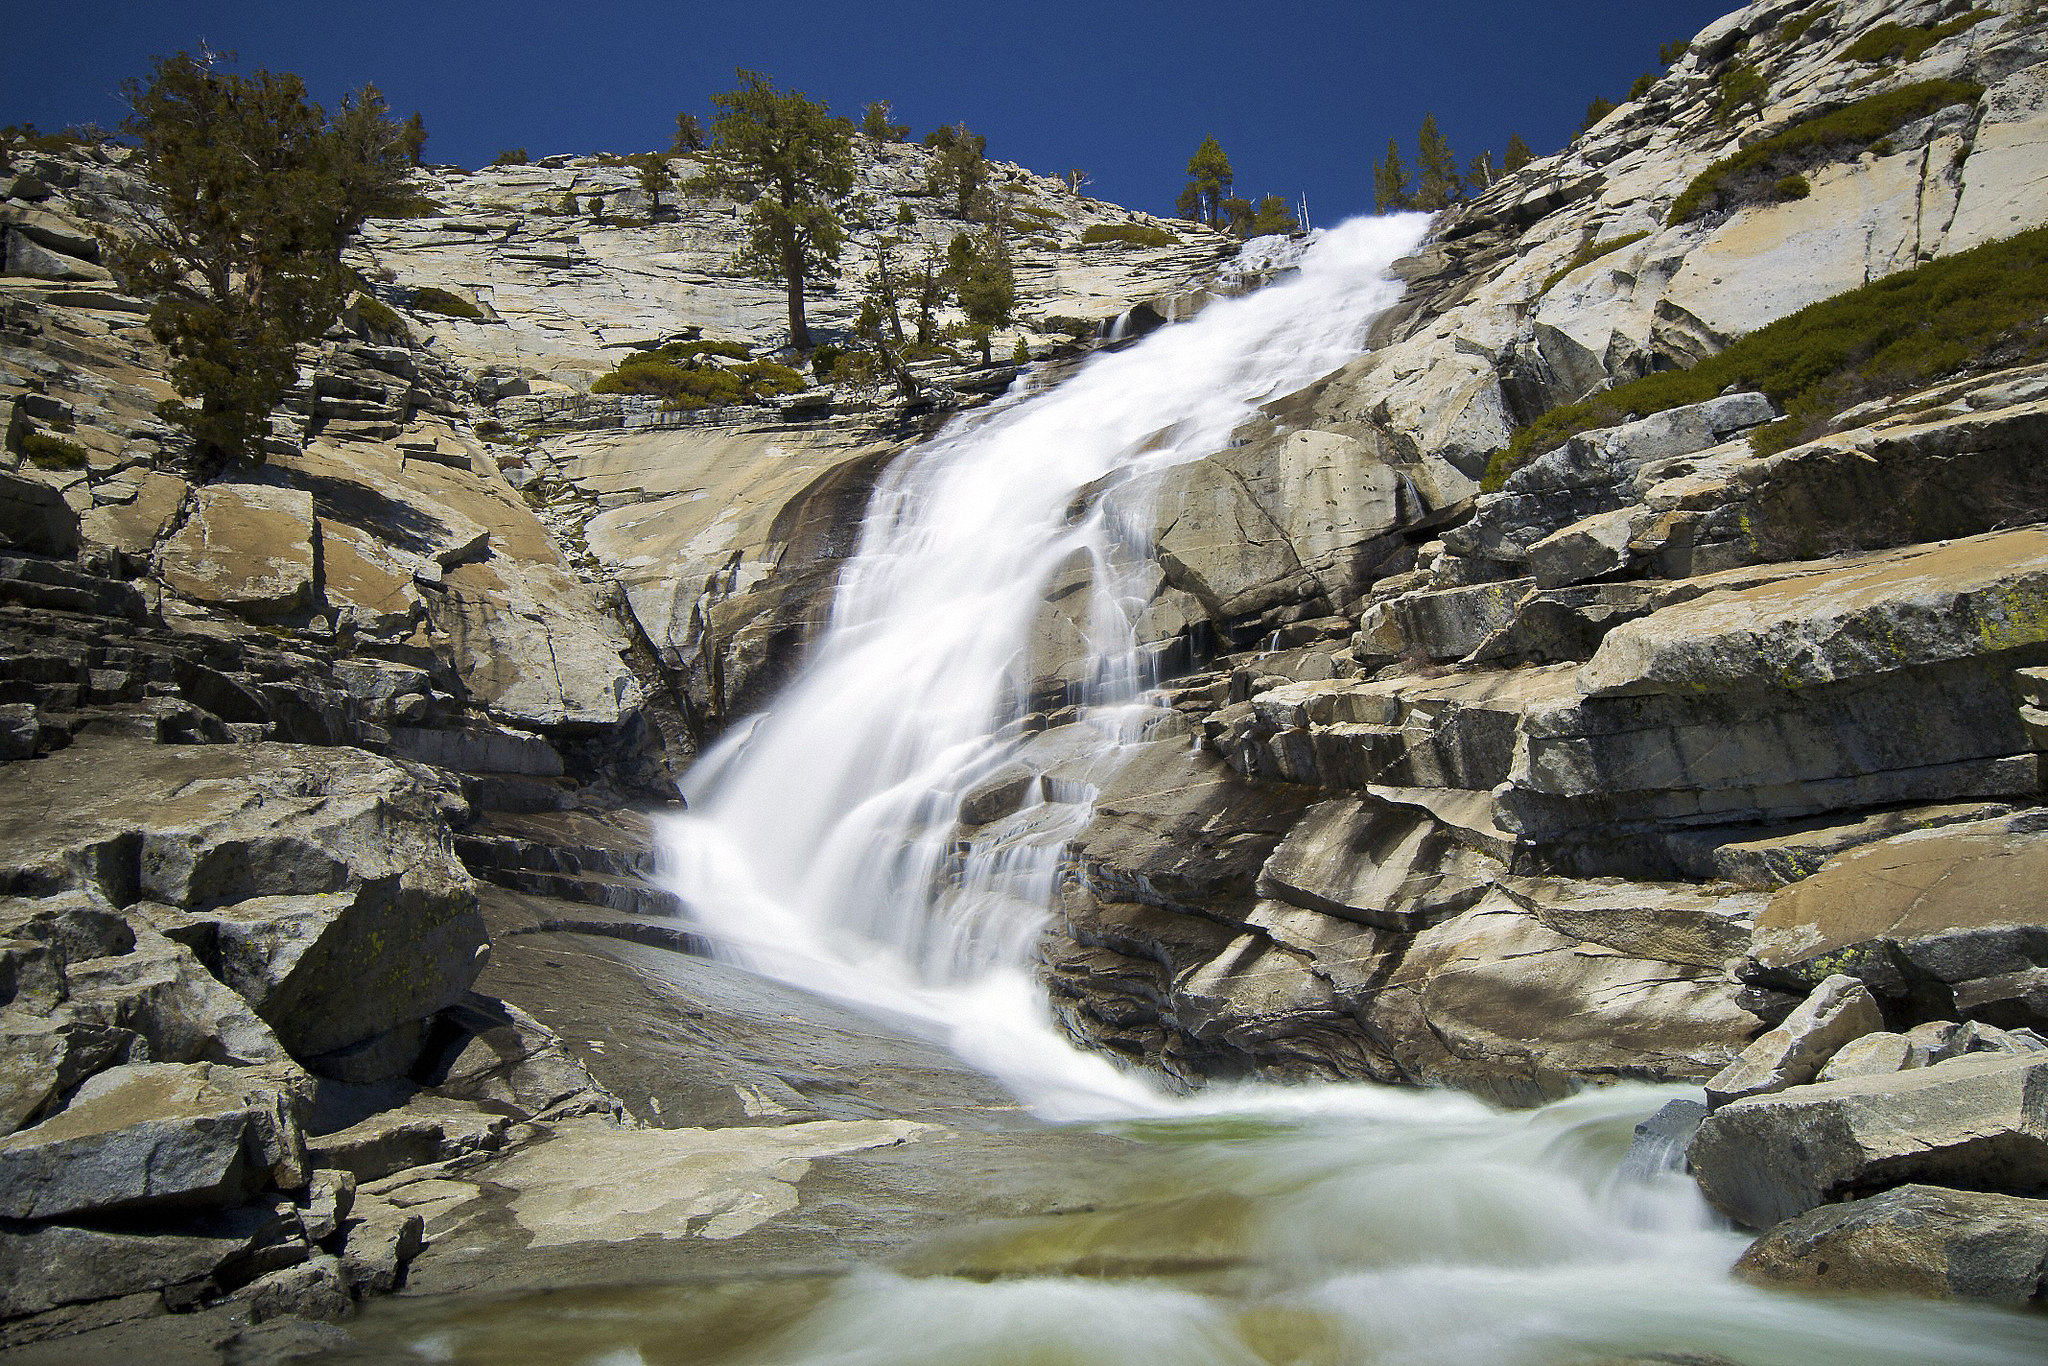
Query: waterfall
{"x": 820, "y": 844}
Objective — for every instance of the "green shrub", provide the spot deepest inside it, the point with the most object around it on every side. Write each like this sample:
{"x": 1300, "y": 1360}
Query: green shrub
{"x": 1906, "y": 43}
{"x": 1020, "y": 354}
{"x": 376, "y": 315}
{"x": 1642, "y": 85}
{"x": 1794, "y": 186}
{"x": 1831, "y": 136}
{"x": 1129, "y": 234}
{"x": 53, "y": 452}
{"x": 515, "y": 156}
{"x": 1738, "y": 87}
{"x": 1037, "y": 213}
{"x": 1795, "y": 28}
{"x": 1985, "y": 306}
{"x": 434, "y": 299}
{"x": 825, "y": 360}
{"x": 411, "y": 204}
{"x": 669, "y": 374}
{"x": 904, "y": 215}
{"x": 1589, "y": 254}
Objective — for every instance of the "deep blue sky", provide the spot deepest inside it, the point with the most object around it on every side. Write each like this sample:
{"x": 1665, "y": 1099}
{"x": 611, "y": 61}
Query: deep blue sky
{"x": 1303, "y": 96}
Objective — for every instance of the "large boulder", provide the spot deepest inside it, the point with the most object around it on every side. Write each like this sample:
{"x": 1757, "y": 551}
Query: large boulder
{"x": 155, "y": 1135}
{"x": 320, "y": 883}
{"x": 1941, "y": 923}
{"x": 1838, "y": 1011}
{"x": 1917, "y": 1240}
{"x": 1977, "y": 1122}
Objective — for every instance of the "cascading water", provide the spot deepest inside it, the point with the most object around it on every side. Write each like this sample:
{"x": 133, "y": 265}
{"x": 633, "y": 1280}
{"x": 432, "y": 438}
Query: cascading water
{"x": 1326, "y": 1225}
{"x": 820, "y": 846}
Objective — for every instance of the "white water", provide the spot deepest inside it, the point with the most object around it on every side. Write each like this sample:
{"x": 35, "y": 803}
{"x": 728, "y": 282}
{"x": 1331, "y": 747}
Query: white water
{"x": 819, "y": 847}
{"x": 1348, "y": 1224}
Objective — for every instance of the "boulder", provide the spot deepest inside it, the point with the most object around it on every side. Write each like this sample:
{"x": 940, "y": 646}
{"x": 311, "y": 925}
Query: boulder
{"x": 1976, "y": 1123}
{"x": 1944, "y": 923}
{"x": 427, "y": 1128}
{"x": 320, "y": 883}
{"x": 1873, "y": 1055}
{"x": 34, "y": 517}
{"x": 154, "y": 1135}
{"x": 1838, "y": 1011}
{"x": 1362, "y": 860}
{"x": 44, "y": 1266}
{"x": 382, "y": 1239}
{"x": 314, "y": 1289}
{"x": 246, "y": 548}
{"x": 1659, "y": 1142}
{"x": 1914, "y": 1240}
{"x": 500, "y": 1055}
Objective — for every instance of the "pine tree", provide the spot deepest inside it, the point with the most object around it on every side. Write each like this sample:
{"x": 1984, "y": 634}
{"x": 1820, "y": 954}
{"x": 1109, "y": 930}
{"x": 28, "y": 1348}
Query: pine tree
{"x": 1438, "y": 185}
{"x": 655, "y": 176}
{"x": 259, "y": 192}
{"x": 1390, "y": 182}
{"x": 794, "y": 162}
{"x": 875, "y": 122}
{"x": 413, "y": 137}
{"x": 960, "y": 169}
{"x": 1273, "y": 216}
{"x": 1599, "y": 109}
{"x": 1518, "y": 154}
{"x": 689, "y": 134}
{"x": 1209, "y": 181}
{"x": 1480, "y": 171}
{"x": 988, "y": 286}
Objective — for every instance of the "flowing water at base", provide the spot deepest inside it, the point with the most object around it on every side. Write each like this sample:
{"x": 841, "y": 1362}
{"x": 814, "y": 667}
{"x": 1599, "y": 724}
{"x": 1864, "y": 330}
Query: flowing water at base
{"x": 1250, "y": 1226}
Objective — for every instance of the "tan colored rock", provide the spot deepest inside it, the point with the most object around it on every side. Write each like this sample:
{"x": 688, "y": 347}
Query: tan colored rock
{"x": 247, "y": 548}
{"x": 1979, "y": 596}
{"x": 1955, "y": 910}
{"x": 134, "y": 527}
{"x": 1916, "y": 1240}
{"x": 1839, "y": 1010}
{"x": 1978, "y": 1122}
{"x": 2005, "y": 180}
{"x": 1873, "y": 1055}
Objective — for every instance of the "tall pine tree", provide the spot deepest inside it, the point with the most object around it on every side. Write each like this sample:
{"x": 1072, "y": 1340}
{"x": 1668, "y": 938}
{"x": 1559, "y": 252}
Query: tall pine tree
{"x": 794, "y": 162}
{"x": 1438, "y": 184}
{"x": 1518, "y": 154}
{"x": 1390, "y": 182}
{"x": 1209, "y": 181}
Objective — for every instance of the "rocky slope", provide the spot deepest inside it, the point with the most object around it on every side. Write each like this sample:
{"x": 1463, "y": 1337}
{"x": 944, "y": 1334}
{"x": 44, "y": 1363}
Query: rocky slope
{"x": 291, "y": 750}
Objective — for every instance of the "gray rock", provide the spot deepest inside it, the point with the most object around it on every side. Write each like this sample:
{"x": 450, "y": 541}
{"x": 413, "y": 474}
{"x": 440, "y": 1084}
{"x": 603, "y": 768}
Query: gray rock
{"x": 1913, "y": 1240}
{"x": 1659, "y": 1142}
{"x": 504, "y": 1057}
{"x": 1378, "y": 865}
{"x": 1873, "y": 1055}
{"x": 1975, "y": 1122}
{"x": 34, "y": 517}
{"x": 314, "y": 1289}
{"x": 330, "y": 1194}
{"x": 321, "y": 883}
{"x": 44, "y": 1266}
{"x": 382, "y": 1239}
{"x": 154, "y": 1134}
{"x": 1838, "y": 1010}
{"x": 427, "y": 1128}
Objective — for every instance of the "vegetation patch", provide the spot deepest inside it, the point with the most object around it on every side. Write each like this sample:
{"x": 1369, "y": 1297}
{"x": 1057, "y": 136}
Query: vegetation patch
{"x": 378, "y": 316}
{"x": 685, "y": 375}
{"x": 1753, "y": 172}
{"x": 1795, "y": 28}
{"x": 1982, "y": 308}
{"x": 1587, "y": 255}
{"x": 434, "y": 299}
{"x": 52, "y": 452}
{"x": 1129, "y": 234}
{"x": 1739, "y": 87}
{"x": 1890, "y": 42}
{"x": 1037, "y": 213}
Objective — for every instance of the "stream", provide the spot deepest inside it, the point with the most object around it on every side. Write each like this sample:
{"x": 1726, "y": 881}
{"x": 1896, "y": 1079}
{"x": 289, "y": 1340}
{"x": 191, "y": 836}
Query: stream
{"x": 1250, "y": 1225}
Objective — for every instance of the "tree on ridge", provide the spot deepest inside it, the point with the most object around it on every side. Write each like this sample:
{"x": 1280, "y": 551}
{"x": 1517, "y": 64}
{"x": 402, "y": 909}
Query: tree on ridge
{"x": 793, "y": 162}
{"x": 1209, "y": 181}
